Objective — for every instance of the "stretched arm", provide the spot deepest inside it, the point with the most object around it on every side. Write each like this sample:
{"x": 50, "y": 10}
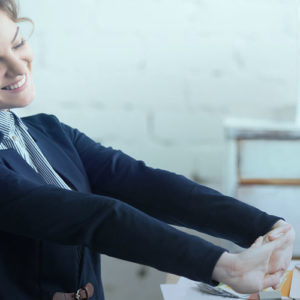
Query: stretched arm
{"x": 111, "y": 226}
{"x": 114, "y": 228}
{"x": 167, "y": 196}
{"x": 103, "y": 224}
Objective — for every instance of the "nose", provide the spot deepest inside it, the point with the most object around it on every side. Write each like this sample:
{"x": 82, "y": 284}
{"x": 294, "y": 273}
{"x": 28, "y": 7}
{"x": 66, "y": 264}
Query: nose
{"x": 15, "y": 67}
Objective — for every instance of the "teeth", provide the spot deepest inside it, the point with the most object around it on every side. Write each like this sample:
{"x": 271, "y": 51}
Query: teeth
{"x": 17, "y": 85}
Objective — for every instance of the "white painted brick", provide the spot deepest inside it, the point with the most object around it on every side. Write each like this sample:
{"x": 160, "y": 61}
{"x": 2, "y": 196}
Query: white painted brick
{"x": 147, "y": 68}
{"x": 165, "y": 57}
{"x": 211, "y": 55}
{"x": 60, "y": 16}
{"x": 187, "y": 127}
{"x": 226, "y": 93}
{"x": 129, "y": 126}
{"x": 274, "y": 57}
{"x": 111, "y": 89}
{"x": 209, "y": 16}
{"x": 140, "y": 16}
{"x": 93, "y": 51}
{"x": 251, "y": 18}
{"x": 201, "y": 163}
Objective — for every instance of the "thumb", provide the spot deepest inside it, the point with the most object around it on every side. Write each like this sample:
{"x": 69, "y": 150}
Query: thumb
{"x": 271, "y": 280}
{"x": 281, "y": 272}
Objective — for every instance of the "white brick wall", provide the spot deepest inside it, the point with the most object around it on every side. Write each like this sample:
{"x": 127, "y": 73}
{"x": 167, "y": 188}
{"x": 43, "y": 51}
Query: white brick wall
{"x": 156, "y": 78}
{"x": 164, "y": 73}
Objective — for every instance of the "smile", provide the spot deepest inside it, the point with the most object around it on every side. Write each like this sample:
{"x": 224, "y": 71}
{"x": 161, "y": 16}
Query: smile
{"x": 17, "y": 85}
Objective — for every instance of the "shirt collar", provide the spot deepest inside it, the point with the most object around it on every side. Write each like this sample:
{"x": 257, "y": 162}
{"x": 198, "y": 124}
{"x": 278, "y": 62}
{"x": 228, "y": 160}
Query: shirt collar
{"x": 8, "y": 123}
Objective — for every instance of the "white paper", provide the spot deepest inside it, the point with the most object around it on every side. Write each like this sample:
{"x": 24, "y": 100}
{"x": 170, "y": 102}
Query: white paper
{"x": 186, "y": 282}
{"x": 187, "y": 289}
{"x": 172, "y": 291}
{"x": 193, "y": 293}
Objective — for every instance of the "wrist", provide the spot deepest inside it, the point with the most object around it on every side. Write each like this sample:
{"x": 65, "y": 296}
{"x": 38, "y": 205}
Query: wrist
{"x": 225, "y": 267}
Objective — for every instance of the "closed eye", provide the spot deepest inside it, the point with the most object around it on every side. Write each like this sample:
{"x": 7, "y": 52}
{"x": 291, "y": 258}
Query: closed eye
{"x": 20, "y": 44}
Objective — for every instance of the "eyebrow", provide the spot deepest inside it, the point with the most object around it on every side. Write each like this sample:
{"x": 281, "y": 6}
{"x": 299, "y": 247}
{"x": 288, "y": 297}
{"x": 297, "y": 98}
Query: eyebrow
{"x": 16, "y": 34}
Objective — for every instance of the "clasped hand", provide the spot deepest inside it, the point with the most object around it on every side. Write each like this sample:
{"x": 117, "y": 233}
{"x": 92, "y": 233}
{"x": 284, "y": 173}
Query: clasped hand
{"x": 260, "y": 266}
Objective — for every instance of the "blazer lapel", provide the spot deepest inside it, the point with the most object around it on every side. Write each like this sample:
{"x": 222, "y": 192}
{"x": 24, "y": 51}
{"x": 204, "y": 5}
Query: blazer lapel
{"x": 58, "y": 159}
{"x": 14, "y": 161}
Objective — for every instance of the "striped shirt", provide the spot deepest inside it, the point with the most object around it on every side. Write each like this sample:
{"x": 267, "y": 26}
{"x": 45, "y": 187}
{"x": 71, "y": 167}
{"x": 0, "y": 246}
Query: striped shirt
{"x": 17, "y": 137}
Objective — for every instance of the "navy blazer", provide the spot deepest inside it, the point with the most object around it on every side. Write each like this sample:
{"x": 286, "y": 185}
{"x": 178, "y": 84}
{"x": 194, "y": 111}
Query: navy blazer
{"x": 117, "y": 206}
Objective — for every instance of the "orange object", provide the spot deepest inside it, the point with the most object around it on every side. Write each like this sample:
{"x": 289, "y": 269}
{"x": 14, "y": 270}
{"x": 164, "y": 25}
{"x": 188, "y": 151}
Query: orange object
{"x": 254, "y": 297}
{"x": 286, "y": 286}
{"x": 284, "y": 289}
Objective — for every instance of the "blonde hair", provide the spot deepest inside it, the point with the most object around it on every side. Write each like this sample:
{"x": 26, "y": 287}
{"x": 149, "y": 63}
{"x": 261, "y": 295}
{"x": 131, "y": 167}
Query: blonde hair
{"x": 11, "y": 8}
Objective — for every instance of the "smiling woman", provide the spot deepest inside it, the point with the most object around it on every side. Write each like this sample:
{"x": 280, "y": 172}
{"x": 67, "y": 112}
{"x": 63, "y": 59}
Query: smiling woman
{"x": 17, "y": 89}
{"x": 65, "y": 199}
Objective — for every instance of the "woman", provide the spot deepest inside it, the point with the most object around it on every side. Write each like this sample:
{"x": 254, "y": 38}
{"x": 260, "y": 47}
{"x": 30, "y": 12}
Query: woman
{"x": 66, "y": 198}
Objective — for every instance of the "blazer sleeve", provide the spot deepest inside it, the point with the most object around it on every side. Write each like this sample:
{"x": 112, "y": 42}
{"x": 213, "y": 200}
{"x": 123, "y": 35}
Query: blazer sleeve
{"x": 102, "y": 223}
{"x": 167, "y": 196}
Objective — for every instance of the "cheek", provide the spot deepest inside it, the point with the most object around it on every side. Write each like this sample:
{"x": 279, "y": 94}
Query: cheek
{"x": 2, "y": 71}
{"x": 27, "y": 56}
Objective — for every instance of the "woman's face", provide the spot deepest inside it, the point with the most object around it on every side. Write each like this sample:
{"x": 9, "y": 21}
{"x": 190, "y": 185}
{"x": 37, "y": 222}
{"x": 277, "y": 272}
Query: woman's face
{"x": 16, "y": 86}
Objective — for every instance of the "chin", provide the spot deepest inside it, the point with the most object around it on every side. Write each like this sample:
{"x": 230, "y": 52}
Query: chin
{"x": 26, "y": 100}
{"x": 21, "y": 103}
{"x": 19, "y": 100}
{"x": 24, "y": 104}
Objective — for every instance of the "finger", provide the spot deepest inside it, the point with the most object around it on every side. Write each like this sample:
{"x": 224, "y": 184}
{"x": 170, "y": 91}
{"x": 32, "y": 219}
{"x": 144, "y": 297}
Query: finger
{"x": 276, "y": 233}
{"x": 282, "y": 227}
{"x": 271, "y": 280}
{"x": 281, "y": 240}
{"x": 258, "y": 242}
{"x": 280, "y": 230}
{"x": 272, "y": 247}
{"x": 280, "y": 273}
{"x": 266, "y": 238}
{"x": 276, "y": 287}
